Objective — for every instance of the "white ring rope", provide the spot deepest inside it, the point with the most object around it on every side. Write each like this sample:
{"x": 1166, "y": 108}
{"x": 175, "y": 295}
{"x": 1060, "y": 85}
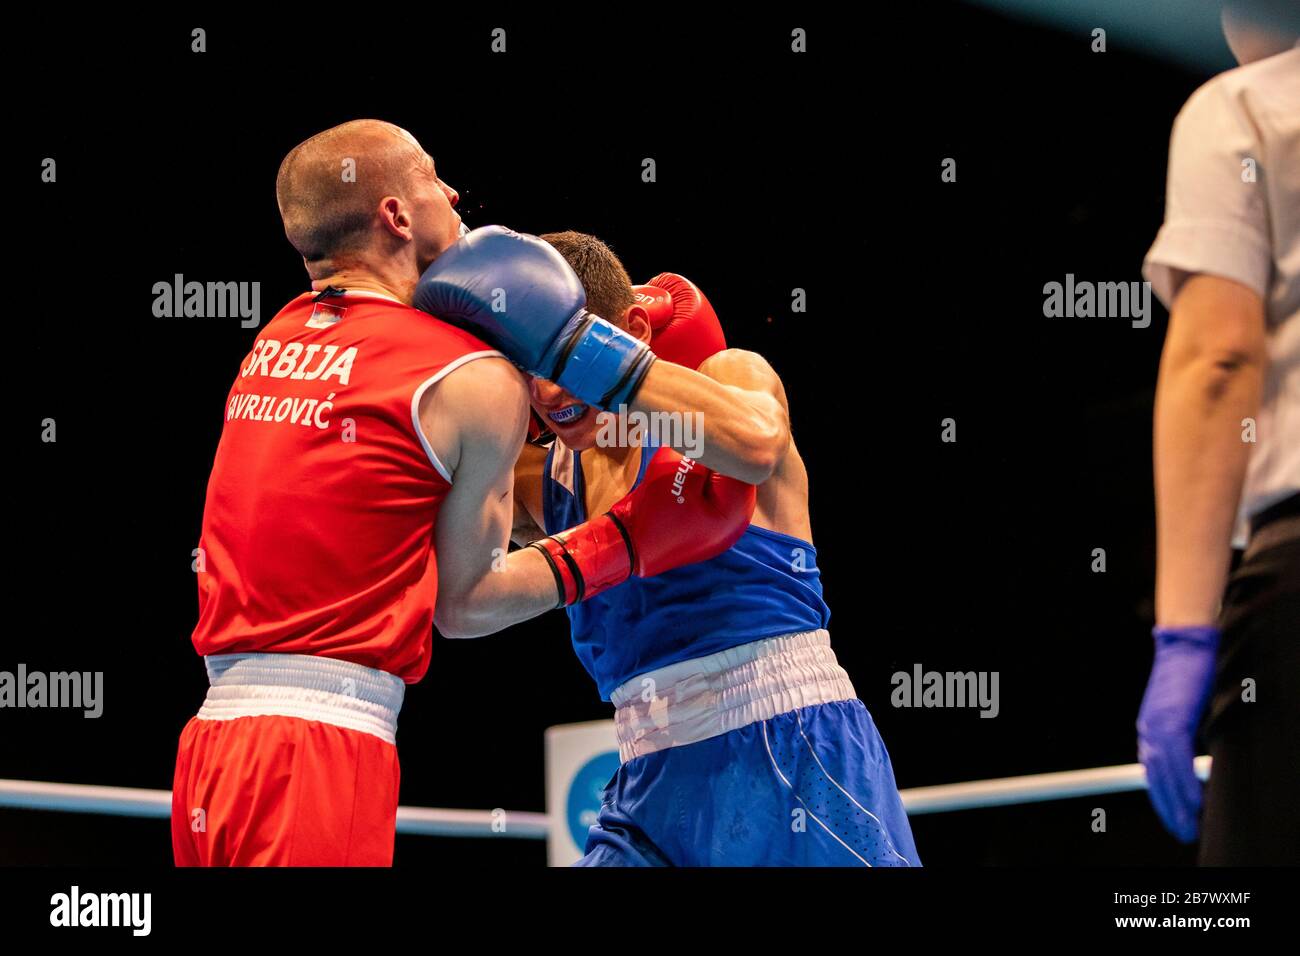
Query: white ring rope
{"x": 1033, "y": 788}
{"x": 439, "y": 821}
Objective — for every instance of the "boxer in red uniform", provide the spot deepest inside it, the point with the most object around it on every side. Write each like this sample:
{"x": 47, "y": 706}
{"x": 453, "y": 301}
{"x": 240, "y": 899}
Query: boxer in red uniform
{"x": 361, "y": 493}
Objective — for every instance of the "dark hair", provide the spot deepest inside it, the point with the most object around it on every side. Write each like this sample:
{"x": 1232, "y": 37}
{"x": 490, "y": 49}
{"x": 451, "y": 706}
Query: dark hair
{"x": 609, "y": 290}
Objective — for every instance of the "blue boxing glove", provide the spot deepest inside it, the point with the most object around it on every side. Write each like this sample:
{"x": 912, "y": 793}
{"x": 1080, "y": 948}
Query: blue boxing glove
{"x": 518, "y": 294}
{"x": 1175, "y": 698}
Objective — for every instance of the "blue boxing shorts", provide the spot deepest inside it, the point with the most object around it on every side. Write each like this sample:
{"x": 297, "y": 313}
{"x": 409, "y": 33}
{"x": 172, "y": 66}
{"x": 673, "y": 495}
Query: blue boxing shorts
{"x": 759, "y": 755}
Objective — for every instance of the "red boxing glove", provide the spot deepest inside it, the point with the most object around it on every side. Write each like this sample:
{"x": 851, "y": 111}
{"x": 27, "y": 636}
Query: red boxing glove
{"x": 679, "y": 514}
{"x": 684, "y": 328}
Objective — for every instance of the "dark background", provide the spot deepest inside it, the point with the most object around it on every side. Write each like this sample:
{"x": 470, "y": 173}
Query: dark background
{"x": 775, "y": 171}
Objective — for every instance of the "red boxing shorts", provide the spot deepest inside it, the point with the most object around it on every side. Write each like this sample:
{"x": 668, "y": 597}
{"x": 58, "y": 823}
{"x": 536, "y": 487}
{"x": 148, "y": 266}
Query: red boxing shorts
{"x": 291, "y": 761}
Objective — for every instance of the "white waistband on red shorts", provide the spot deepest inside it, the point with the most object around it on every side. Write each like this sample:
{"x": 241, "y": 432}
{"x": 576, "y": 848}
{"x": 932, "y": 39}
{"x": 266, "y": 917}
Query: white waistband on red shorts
{"x": 701, "y": 698}
{"x": 301, "y": 685}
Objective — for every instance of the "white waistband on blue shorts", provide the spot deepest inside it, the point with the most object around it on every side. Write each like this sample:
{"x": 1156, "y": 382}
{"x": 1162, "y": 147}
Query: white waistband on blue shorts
{"x": 697, "y": 699}
{"x": 301, "y": 685}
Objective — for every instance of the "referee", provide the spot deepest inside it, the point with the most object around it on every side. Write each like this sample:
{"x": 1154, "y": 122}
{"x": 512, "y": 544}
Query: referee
{"x": 1226, "y": 263}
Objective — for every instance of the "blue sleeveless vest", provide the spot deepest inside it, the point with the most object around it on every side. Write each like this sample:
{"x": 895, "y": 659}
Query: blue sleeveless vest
{"x": 765, "y": 585}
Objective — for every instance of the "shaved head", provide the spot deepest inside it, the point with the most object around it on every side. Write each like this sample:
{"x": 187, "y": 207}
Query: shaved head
{"x": 329, "y": 187}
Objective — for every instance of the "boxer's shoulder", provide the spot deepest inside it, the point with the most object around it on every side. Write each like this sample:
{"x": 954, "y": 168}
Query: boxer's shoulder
{"x": 477, "y": 409}
{"x": 743, "y": 369}
{"x": 735, "y": 360}
{"x": 482, "y": 387}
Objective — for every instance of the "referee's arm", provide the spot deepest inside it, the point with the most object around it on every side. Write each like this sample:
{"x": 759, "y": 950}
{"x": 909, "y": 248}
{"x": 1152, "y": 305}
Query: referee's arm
{"x": 1211, "y": 376}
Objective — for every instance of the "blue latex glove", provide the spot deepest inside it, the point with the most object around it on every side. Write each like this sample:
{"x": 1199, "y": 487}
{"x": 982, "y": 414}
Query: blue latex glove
{"x": 1181, "y": 678}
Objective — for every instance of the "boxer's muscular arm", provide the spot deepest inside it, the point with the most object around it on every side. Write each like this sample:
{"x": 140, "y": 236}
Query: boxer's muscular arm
{"x": 475, "y": 419}
{"x": 742, "y": 401}
{"x": 1211, "y": 376}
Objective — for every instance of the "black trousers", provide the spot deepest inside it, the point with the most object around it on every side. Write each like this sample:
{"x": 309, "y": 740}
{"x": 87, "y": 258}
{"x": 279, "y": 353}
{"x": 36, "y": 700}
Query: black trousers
{"x": 1251, "y": 815}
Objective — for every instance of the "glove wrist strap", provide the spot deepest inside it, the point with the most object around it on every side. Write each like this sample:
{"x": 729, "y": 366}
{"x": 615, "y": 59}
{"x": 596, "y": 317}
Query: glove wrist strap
{"x": 586, "y": 560}
{"x": 599, "y": 363}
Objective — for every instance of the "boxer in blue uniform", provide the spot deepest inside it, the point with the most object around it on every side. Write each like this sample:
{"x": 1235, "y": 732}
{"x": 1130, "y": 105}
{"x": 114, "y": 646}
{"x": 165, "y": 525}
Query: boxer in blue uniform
{"x": 741, "y": 739}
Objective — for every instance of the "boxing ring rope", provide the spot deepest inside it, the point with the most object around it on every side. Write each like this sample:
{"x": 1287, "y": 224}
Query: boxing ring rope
{"x": 1032, "y": 788}
{"x": 437, "y": 821}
